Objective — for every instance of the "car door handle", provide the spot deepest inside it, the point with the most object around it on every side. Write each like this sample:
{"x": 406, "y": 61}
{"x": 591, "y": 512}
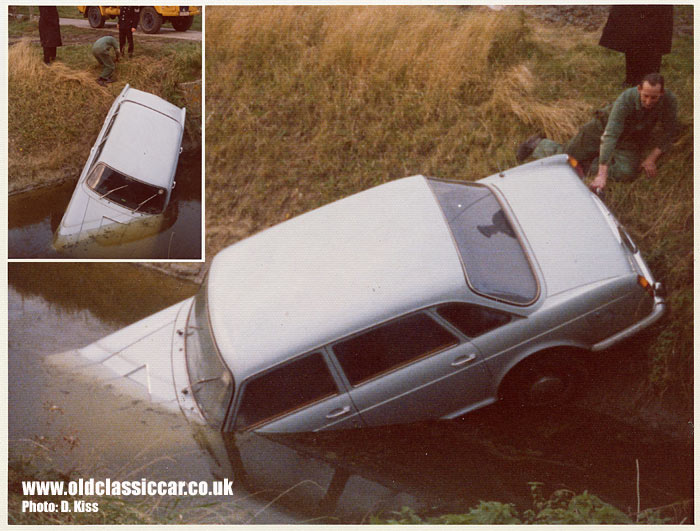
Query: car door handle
{"x": 463, "y": 360}
{"x": 338, "y": 412}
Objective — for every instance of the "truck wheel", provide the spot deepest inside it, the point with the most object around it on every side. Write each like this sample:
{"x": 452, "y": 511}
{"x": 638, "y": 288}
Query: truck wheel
{"x": 95, "y": 18}
{"x": 151, "y": 20}
{"x": 545, "y": 380}
{"x": 182, "y": 23}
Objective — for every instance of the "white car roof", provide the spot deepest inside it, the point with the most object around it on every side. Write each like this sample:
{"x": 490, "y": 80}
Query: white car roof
{"x": 144, "y": 142}
{"x": 331, "y": 272}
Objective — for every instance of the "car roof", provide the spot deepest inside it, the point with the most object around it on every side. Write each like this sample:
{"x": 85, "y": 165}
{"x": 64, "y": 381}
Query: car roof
{"x": 144, "y": 141}
{"x": 331, "y": 272}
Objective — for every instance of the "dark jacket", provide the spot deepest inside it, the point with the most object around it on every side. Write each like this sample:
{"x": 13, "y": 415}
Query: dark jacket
{"x": 631, "y": 27}
{"x": 49, "y": 29}
{"x": 129, "y": 17}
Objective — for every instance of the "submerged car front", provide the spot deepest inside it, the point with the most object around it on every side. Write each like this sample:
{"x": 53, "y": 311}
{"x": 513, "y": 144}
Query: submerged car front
{"x": 126, "y": 184}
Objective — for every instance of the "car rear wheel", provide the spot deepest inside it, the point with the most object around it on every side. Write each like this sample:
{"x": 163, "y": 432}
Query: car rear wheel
{"x": 95, "y": 17}
{"x": 545, "y": 380}
{"x": 151, "y": 21}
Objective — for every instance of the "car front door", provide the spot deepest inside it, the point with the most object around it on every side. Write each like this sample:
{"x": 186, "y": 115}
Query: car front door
{"x": 410, "y": 369}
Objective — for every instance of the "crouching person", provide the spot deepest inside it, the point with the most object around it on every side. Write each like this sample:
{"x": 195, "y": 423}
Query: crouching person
{"x": 612, "y": 145}
{"x": 101, "y": 51}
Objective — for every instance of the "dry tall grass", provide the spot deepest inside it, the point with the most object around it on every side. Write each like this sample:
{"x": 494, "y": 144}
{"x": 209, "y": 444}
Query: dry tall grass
{"x": 306, "y": 104}
{"x": 36, "y": 122}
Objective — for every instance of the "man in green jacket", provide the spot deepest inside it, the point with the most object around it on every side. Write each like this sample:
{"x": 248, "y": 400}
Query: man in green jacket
{"x": 101, "y": 52}
{"x": 611, "y": 146}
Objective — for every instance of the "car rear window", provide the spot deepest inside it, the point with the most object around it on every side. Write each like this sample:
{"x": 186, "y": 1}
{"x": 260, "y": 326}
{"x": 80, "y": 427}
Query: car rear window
{"x": 494, "y": 260}
{"x": 472, "y": 320}
{"x": 125, "y": 191}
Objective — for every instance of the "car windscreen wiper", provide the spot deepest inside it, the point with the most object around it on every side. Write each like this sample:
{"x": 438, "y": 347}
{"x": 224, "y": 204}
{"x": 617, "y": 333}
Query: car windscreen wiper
{"x": 113, "y": 190}
{"x": 147, "y": 200}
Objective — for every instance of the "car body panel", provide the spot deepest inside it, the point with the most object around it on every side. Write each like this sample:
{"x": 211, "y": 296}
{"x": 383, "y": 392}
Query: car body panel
{"x": 429, "y": 388}
{"x": 148, "y": 152}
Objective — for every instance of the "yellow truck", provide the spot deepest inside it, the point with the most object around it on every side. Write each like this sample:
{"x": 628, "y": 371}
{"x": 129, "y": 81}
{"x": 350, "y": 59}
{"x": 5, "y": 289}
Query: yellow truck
{"x": 152, "y": 17}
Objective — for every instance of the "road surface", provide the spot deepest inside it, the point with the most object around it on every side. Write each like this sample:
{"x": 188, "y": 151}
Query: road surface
{"x": 111, "y": 27}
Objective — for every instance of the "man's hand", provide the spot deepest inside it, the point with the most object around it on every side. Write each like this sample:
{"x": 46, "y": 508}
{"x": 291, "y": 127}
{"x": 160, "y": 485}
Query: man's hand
{"x": 649, "y": 167}
{"x": 649, "y": 163}
{"x": 600, "y": 180}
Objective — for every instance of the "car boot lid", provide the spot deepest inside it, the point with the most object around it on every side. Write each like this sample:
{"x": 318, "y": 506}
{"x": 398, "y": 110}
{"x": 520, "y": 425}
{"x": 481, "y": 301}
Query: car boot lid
{"x": 568, "y": 234}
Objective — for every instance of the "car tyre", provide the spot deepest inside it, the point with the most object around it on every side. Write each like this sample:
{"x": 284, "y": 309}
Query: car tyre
{"x": 182, "y": 23}
{"x": 95, "y": 18}
{"x": 544, "y": 381}
{"x": 151, "y": 20}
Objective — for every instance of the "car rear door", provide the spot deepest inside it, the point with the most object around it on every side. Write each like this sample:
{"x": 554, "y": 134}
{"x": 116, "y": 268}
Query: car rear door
{"x": 410, "y": 369}
{"x": 299, "y": 395}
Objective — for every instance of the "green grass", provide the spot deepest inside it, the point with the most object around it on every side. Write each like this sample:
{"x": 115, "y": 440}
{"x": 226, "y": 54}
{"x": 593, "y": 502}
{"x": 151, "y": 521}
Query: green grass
{"x": 306, "y": 105}
{"x": 563, "y": 507}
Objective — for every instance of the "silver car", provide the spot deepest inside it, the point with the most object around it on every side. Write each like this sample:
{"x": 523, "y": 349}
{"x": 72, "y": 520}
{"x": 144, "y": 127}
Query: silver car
{"x": 125, "y": 186}
{"x": 417, "y": 299}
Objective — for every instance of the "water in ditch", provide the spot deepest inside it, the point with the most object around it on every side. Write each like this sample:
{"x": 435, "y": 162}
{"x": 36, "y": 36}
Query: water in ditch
{"x": 33, "y": 217}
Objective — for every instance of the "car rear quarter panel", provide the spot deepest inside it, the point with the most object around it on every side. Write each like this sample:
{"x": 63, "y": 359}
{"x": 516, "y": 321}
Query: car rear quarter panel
{"x": 579, "y": 318}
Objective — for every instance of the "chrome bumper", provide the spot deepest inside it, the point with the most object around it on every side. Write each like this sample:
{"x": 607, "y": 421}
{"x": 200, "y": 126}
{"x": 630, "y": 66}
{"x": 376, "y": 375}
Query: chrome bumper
{"x": 655, "y": 315}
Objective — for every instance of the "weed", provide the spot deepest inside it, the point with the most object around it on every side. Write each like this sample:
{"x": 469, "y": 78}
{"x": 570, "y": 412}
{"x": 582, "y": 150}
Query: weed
{"x": 563, "y": 507}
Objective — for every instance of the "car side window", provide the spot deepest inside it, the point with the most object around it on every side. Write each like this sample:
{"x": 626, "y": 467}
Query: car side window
{"x": 390, "y": 346}
{"x": 285, "y": 389}
{"x": 470, "y": 319}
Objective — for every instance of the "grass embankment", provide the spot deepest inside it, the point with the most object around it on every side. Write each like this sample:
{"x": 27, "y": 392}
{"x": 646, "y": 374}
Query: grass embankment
{"x": 309, "y": 105}
{"x": 56, "y": 112}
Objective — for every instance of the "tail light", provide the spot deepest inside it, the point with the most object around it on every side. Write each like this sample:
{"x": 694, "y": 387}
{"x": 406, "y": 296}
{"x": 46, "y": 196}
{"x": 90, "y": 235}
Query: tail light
{"x": 576, "y": 166}
{"x": 645, "y": 284}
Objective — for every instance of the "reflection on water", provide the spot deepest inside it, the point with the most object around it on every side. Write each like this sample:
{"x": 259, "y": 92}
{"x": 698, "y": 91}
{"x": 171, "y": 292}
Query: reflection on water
{"x": 34, "y": 216}
{"x": 79, "y": 421}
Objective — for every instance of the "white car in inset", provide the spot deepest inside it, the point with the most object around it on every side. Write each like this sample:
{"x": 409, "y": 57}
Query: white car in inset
{"x": 417, "y": 299}
{"x": 127, "y": 182}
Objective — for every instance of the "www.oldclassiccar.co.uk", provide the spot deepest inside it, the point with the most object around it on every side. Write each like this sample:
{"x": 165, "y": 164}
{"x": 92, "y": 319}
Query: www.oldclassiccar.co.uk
{"x": 108, "y": 487}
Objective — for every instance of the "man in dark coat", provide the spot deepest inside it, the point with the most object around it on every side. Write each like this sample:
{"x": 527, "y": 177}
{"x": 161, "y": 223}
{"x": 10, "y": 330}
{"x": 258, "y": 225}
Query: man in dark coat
{"x": 127, "y": 23}
{"x": 643, "y": 33}
{"x": 49, "y": 32}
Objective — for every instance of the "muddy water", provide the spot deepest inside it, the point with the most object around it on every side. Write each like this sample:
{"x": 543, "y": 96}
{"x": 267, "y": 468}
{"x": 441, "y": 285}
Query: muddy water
{"x": 65, "y": 419}
{"x": 34, "y": 216}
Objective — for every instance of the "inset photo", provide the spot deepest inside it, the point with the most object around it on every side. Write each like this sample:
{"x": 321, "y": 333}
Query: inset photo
{"x": 104, "y": 132}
